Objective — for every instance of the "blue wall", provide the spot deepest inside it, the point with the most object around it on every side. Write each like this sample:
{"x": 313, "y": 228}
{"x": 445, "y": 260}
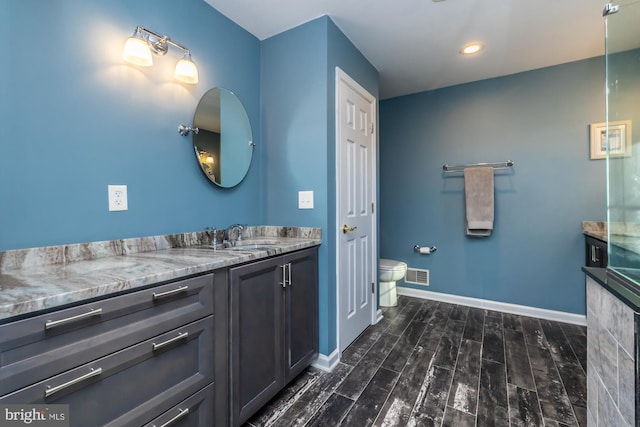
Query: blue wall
{"x": 76, "y": 117}
{"x": 541, "y": 120}
{"x": 298, "y": 109}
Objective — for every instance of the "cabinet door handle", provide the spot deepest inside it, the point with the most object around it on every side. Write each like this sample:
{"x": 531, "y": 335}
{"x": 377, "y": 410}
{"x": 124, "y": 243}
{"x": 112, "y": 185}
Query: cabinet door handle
{"x": 169, "y": 293}
{"x": 182, "y": 413}
{"x": 289, "y": 269}
{"x": 53, "y": 323}
{"x": 52, "y": 390}
{"x": 169, "y": 341}
{"x": 283, "y": 283}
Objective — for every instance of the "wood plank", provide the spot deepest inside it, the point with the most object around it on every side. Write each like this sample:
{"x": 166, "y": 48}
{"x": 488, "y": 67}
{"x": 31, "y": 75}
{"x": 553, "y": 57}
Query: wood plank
{"x": 493, "y": 340}
{"x": 397, "y": 409}
{"x": 464, "y": 389}
{"x": 447, "y": 351}
{"x": 332, "y": 412}
{"x": 403, "y": 348}
{"x": 362, "y": 373}
{"x": 524, "y": 409}
{"x": 493, "y": 402}
{"x": 432, "y": 398}
{"x": 518, "y": 367}
{"x": 364, "y": 411}
{"x": 475, "y": 324}
{"x": 310, "y": 402}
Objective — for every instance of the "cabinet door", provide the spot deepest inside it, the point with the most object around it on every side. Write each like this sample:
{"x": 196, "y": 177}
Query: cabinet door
{"x": 301, "y": 311}
{"x": 256, "y": 336}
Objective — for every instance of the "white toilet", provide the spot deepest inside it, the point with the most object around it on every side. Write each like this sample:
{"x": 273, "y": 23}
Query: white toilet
{"x": 390, "y": 272}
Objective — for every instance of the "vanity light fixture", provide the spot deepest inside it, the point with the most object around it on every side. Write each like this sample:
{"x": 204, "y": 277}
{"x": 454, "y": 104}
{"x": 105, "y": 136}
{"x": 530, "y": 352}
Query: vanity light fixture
{"x": 471, "y": 48}
{"x": 138, "y": 48}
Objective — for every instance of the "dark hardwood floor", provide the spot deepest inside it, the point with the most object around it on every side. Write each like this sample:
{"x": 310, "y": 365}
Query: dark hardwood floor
{"x": 429, "y": 363}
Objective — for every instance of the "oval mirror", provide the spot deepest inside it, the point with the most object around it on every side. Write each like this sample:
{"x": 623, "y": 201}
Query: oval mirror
{"x": 224, "y": 143}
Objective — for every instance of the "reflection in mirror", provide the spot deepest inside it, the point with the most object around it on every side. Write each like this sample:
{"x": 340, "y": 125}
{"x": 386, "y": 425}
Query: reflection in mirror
{"x": 224, "y": 144}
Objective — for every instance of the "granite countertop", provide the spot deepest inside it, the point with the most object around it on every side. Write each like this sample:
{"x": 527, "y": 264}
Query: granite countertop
{"x": 597, "y": 229}
{"x": 624, "y": 235}
{"x": 38, "y": 279}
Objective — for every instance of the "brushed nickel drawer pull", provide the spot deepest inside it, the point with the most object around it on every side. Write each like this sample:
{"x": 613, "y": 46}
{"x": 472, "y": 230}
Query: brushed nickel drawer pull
{"x": 51, "y": 390}
{"x": 169, "y": 293}
{"x": 182, "y": 413}
{"x": 169, "y": 341}
{"x": 53, "y": 323}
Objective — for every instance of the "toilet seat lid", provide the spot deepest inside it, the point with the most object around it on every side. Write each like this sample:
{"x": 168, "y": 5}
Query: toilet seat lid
{"x": 390, "y": 264}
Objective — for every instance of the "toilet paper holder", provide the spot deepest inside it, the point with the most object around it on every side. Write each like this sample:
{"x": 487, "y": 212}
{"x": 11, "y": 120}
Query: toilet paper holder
{"x": 425, "y": 249}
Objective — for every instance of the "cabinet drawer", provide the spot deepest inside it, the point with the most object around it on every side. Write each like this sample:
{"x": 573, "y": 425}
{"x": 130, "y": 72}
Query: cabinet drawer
{"x": 595, "y": 252}
{"x": 196, "y": 411}
{"x": 132, "y": 386}
{"x": 39, "y": 347}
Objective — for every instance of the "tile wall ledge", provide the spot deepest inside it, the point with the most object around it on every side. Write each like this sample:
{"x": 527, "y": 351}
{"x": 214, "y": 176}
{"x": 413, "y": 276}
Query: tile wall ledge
{"x": 618, "y": 285}
{"x": 63, "y": 254}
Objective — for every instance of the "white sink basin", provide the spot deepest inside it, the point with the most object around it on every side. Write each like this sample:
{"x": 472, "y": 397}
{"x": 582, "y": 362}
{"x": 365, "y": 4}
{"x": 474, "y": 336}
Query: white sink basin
{"x": 252, "y": 247}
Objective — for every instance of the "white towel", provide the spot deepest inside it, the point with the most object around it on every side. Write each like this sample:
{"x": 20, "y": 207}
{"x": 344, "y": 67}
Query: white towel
{"x": 478, "y": 191}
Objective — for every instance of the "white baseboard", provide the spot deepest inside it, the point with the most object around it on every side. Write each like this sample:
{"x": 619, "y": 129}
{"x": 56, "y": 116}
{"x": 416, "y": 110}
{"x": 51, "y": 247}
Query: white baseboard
{"x": 327, "y": 363}
{"x": 523, "y": 310}
{"x": 379, "y": 315}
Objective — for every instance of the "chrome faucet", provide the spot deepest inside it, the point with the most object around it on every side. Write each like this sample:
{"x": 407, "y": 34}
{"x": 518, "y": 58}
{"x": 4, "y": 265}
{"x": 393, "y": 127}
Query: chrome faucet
{"x": 213, "y": 235}
{"x": 229, "y": 233}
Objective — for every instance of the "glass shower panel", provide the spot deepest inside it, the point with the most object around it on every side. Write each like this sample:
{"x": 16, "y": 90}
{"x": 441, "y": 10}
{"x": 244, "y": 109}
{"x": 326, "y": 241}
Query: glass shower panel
{"x": 623, "y": 138}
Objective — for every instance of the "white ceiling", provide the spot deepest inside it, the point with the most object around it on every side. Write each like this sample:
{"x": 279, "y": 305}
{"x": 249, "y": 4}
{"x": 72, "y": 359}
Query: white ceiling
{"x": 414, "y": 43}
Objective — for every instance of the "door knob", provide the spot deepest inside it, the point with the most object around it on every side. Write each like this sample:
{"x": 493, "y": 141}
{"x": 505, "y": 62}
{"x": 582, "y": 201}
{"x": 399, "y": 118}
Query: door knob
{"x": 346, "y": 229}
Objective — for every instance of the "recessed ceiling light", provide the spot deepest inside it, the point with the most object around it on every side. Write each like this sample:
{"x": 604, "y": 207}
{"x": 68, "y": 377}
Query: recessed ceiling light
{"x": 471, "y": 48}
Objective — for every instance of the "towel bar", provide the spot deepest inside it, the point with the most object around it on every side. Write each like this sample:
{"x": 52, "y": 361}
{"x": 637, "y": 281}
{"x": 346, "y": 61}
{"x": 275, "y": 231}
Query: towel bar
{"x": 496, "y": 165}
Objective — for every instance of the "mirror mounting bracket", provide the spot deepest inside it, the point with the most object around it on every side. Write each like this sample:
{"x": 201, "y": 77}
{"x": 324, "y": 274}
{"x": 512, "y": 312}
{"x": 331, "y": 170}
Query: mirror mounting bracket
{"x": 186, "y": 130}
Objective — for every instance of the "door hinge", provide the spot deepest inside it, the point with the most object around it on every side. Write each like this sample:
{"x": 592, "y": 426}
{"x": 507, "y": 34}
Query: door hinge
{"x": 373, "y": 209}
{"x": 371, "y": 127}
{"x": 373, "y": 287}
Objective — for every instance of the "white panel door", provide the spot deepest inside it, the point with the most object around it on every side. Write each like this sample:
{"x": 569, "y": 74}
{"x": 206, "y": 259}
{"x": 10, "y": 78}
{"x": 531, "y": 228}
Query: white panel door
{"x": 356, "y": 251}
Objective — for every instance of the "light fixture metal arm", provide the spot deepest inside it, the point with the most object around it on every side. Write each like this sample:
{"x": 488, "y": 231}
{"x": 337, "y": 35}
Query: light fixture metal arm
{"x": 162, "y": 40}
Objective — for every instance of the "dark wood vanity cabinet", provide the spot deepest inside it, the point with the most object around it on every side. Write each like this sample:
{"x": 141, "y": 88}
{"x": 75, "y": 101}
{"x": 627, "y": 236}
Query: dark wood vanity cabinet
{"x": 595, "y": 252}
{"x": 273, "y": 327}
{"x": 204, "y": 351}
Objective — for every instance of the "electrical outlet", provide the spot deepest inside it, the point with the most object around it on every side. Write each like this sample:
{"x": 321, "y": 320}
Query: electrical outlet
{"x": 117, "y": 197}
{"x": 305, "y": 199}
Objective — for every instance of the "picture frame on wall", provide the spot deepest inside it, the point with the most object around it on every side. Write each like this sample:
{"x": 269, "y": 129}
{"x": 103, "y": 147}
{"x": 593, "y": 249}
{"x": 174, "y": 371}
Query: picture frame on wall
{"x": 619, "y": 141}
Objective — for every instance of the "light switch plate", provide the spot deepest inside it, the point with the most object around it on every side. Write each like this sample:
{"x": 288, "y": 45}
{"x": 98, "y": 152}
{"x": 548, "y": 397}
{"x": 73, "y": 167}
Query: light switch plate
{"x": 305, "y": 199}
{"x": 117, "y": 197}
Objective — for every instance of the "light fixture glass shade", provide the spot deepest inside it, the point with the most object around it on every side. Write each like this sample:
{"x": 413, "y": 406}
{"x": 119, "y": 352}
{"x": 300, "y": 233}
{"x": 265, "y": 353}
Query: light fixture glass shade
{"x": 136, "y": 51}
{"x": 186, "y": 70}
